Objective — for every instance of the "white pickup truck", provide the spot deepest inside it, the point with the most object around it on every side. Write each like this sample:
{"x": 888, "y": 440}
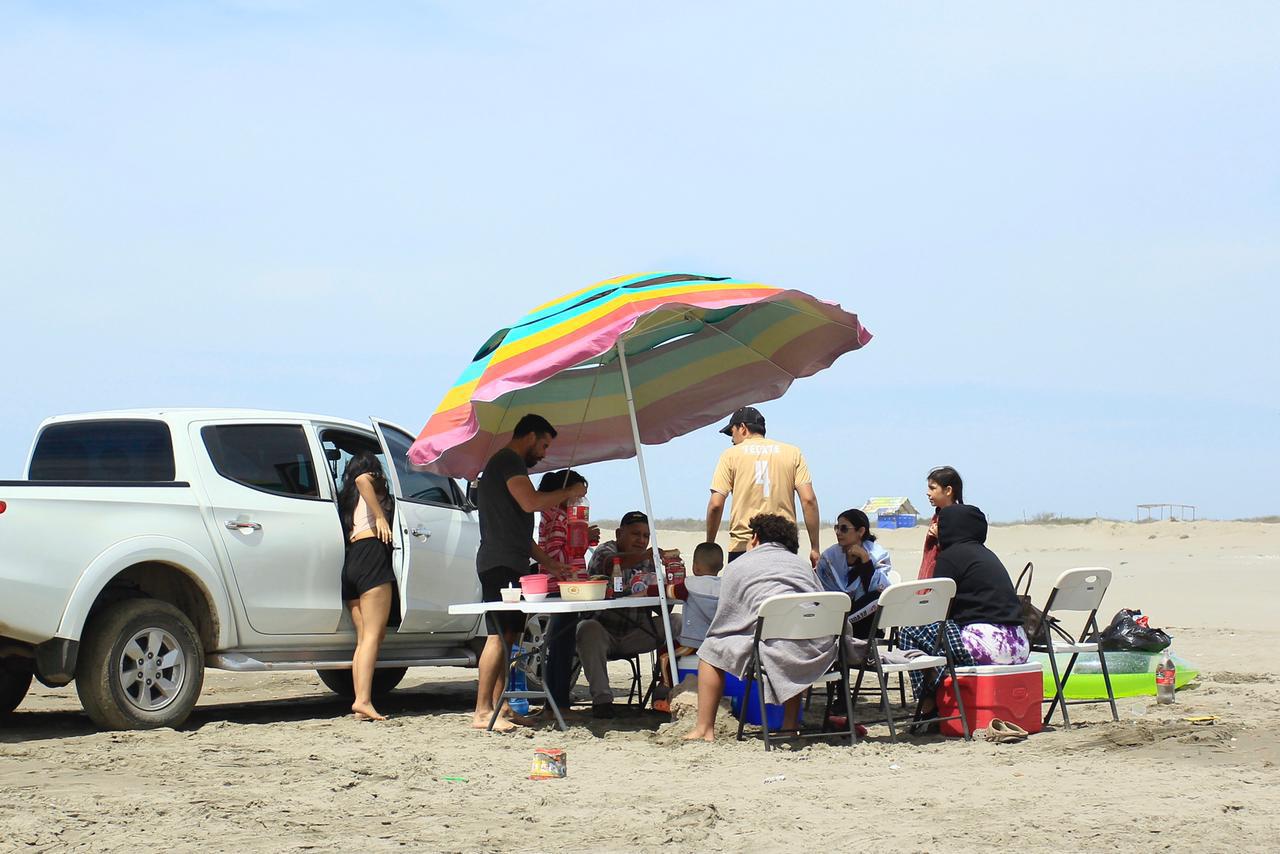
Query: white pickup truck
{"x": 147, "y": 545}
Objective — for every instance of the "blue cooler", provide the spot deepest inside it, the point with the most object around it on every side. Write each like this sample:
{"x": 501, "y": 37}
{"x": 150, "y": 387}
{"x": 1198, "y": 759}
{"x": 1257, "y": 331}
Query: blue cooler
{"x": 732, "y": 684}
{"x": 772, "y": 713}
{"x": 733, "y": 690}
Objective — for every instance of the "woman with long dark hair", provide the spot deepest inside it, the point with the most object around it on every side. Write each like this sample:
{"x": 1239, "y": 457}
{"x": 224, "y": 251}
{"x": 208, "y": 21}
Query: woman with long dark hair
{"x": 553, "y": 525}
{"x": 365, "y": 507}
{"x": 945, "y": 488}
{"x": 553, "y": 538}
{"x": 856, "y": 565}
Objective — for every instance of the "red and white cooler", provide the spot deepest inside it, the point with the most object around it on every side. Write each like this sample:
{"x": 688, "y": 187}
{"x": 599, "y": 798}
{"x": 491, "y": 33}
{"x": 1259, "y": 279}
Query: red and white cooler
{"x": 1010, "y": 692}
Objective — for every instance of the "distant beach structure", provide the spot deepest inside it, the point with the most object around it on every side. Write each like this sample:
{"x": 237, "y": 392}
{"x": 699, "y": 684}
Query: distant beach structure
{"x": 1175, "y": 512}
{"x": 891, "y": 512}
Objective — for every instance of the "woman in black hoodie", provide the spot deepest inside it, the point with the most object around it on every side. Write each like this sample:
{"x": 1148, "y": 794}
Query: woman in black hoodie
{"x": 985, "y": 624}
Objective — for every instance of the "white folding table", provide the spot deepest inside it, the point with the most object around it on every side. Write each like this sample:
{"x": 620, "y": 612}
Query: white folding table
{"x": 546, "y": 606}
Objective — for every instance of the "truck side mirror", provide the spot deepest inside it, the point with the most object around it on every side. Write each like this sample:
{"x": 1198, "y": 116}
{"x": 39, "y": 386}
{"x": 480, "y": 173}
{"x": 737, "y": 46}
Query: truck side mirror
{"x": 473, "y": 493}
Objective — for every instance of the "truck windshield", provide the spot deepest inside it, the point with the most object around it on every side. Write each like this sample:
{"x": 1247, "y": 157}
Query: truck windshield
{"x": 120, "y": 451}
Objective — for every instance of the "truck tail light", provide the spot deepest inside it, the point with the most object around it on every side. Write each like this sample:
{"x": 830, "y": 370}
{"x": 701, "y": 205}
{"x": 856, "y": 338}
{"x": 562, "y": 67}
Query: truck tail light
{"x": 3, "y": 507}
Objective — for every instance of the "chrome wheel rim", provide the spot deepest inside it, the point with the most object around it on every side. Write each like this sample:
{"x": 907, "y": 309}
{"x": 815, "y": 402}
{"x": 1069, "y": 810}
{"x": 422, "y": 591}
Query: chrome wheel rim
{"x": 152, "y": 670}
{"x": 535, "y": 631}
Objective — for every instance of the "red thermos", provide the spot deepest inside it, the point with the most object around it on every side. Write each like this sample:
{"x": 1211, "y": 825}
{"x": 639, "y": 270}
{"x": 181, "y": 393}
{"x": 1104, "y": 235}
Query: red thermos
{"x": 579, "y": 525}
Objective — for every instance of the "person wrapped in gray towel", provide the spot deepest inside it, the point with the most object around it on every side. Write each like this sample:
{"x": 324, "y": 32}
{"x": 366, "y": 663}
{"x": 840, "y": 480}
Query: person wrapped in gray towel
{"x": 770, "y": 567}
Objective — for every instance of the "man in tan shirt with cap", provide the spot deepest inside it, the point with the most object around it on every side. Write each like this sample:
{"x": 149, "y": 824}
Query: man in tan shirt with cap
{"x": 763, "y": 476}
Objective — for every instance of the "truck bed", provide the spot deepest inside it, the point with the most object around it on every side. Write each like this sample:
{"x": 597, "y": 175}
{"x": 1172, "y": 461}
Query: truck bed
{"x": 52, "y": 532}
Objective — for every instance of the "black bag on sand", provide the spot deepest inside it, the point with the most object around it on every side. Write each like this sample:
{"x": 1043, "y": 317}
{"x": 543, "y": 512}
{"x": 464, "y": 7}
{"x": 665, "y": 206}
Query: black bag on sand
{"x": 1125, "y": 634}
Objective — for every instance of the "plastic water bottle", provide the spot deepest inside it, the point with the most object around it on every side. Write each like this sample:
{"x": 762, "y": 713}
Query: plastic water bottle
{"x": 519, "y": 705}
{"x": 1166, "y": 679}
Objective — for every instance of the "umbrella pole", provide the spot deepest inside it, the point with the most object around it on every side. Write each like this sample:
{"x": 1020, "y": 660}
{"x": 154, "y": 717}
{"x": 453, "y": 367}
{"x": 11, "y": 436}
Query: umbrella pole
{"x": 659, "y": 569}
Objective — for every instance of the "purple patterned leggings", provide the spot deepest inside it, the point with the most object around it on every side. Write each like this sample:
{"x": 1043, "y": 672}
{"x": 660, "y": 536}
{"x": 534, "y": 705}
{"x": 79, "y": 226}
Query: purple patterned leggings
{"x": 976, "y": 643}
{"x": 988, "y": 643}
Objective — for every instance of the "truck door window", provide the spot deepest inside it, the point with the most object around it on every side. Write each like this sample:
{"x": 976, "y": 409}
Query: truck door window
{"x": 120, "y": 451}
{"x": 340, "y": 447}
{"x": 269, "y": 457}
{"x": 419, "y": 485}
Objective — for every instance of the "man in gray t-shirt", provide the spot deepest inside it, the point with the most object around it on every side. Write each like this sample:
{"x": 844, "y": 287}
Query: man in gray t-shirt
{"x": 507, "y": 501}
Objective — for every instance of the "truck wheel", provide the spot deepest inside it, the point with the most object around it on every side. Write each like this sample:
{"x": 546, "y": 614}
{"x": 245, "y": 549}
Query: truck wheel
{"x": 385, "y": 679}
{"x": 535, "y": 632}
{"x": 15, "y": 679}
{"x": 141, "y": 666}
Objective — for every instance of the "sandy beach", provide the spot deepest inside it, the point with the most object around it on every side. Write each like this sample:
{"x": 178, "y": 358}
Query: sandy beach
{"x": 271, "y": 763}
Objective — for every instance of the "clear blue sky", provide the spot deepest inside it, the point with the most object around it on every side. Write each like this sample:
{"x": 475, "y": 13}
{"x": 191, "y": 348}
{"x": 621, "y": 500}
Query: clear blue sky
{"x": 1061, "y": 221}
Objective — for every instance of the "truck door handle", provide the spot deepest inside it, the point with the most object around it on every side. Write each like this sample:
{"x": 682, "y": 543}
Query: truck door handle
{"x": 236, "y": 525}
{"x": 421, "y": 532}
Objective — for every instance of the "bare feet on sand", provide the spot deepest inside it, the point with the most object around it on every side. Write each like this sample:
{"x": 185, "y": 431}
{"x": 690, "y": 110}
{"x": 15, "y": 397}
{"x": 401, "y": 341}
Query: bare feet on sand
{"x": 480, "y": 720}
{"x": 700, "y": 735}
{"x": 366, "y": 712}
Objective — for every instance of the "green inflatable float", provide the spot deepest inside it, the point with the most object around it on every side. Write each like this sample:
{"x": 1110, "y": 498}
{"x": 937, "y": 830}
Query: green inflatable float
{"x": 1133, "y": 674}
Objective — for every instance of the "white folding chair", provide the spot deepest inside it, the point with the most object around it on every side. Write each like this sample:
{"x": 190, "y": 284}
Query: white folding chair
{"x": 913, "y": 603}
{"x": 800, "y": 616}
{"x": 895, "y": 577}
{"x": 1075, "y": 590}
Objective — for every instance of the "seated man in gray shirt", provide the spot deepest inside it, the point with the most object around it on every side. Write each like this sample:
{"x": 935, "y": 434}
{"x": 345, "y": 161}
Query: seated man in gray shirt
{"x": 621, "y": 633}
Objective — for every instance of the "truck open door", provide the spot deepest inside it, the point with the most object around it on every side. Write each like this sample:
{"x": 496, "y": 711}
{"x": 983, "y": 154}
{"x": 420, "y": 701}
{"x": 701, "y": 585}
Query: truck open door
{"x": 439, "y": 534}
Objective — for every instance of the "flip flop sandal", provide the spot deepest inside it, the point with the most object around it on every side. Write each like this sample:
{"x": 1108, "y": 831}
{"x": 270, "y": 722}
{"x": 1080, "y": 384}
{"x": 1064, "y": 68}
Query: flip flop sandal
{"x": 1004, "y": 732}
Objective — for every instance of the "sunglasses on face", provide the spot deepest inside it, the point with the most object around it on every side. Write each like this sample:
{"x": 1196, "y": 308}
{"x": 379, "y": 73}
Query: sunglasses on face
{"x": 842, "y": 528}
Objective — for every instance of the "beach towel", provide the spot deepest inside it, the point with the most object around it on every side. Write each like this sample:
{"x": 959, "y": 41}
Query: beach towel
{"x": 791, "y": 666}
{"x": 856, "y": 650}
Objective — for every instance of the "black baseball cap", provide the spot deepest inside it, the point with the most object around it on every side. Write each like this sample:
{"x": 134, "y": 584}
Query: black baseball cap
{"x": 632, "y": 517}
{"x": 748, "y": 415}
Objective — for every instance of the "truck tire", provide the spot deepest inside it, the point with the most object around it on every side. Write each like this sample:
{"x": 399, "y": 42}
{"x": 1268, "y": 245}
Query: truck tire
{"x": 141, "y": 666}
{"x": 385, "y": 679}
{"x": 15, "y": 680}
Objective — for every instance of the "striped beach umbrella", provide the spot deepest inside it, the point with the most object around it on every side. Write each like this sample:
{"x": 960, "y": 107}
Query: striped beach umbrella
{"x": 633, "y": 360}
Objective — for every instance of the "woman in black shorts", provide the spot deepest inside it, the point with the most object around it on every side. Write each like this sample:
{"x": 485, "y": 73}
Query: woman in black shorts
{"x": 365, "y": 505}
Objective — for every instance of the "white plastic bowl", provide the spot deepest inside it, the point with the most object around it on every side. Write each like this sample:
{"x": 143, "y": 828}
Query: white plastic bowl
{"x": 535, "y": 597}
